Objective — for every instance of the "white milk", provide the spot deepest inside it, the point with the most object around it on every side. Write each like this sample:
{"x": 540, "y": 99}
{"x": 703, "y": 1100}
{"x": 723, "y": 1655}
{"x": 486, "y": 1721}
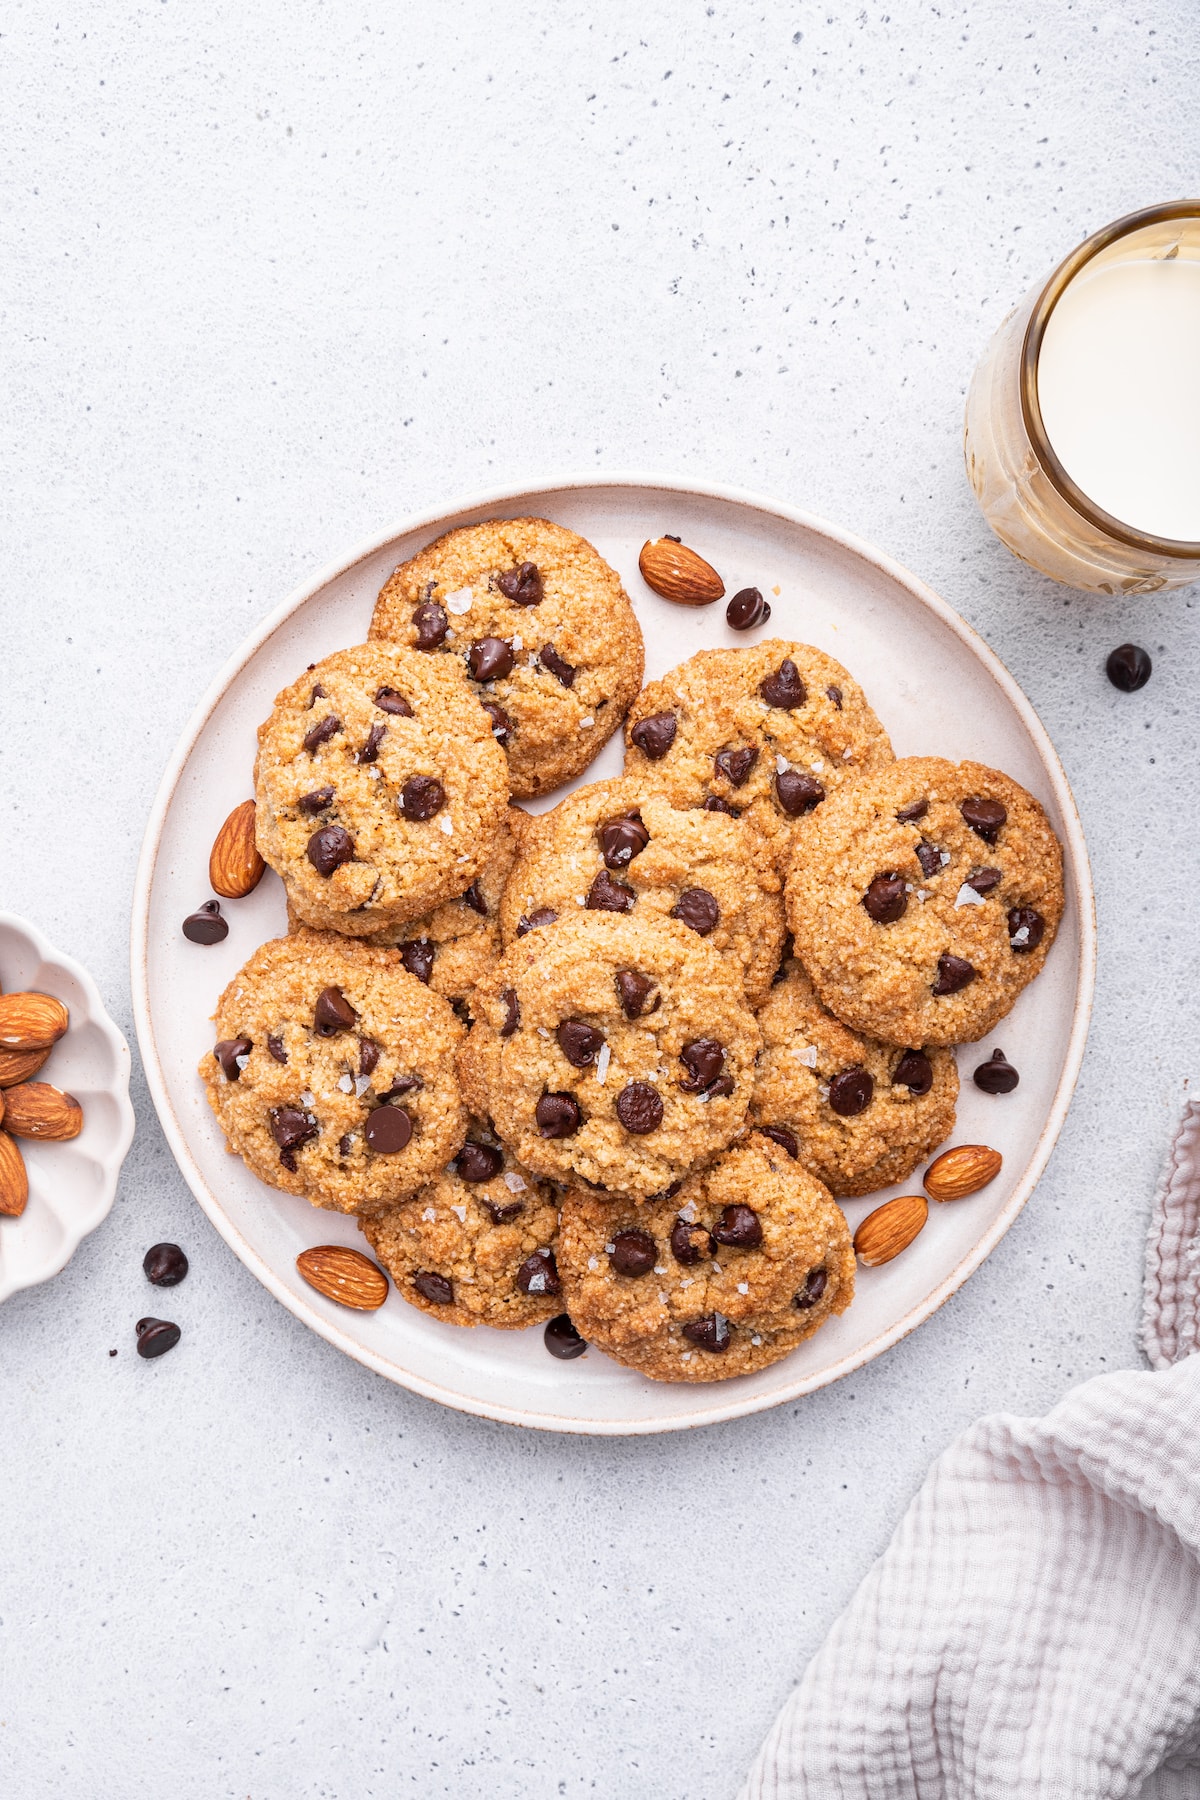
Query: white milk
{"x": 1119, "y": 386}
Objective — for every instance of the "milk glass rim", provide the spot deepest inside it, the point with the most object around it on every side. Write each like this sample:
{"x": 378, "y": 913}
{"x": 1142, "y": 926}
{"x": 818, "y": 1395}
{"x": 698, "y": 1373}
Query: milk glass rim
{"x": 1031, "y": 409}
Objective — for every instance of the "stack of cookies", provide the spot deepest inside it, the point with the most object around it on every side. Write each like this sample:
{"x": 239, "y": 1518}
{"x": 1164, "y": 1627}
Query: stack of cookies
{"x": 608, "y": 1068}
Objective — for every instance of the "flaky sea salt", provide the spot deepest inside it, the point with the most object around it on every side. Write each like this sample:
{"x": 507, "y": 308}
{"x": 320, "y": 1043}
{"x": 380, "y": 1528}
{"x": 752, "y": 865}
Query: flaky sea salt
{"x": 781, "y": 764}
{"x": 361, "y": 1084}
{"x": 602, "y": 1062}
{"x": 688, "y": 1213}
{"x": 743, "y": 1287}
{"x": 967, "y": 896}
{"x": 346, "y": 1083}
{"x": 447, "y": 824}
{"x": 847, "y": 755}
{"x": 460, "y": 1213}
{"x": 513, "y": 1182}
{"x": 943, "y": 857}
{"x": 459, "y": 601}
{"x": 660, "y": 1268}
{"x": 586, "y": 724}
{"x": 429, "y": 1214}
{"x": 241, "y": 1061}
{"x": 593, "y": 1262}
{"x": 807, "y": 1056}
{"x": 306, "y": 1098}
{"x": 922, "y": 895}
{"x": 518, "y": 642}
{"x": 1020, "y": 936}
{"x": 756, "y": 1339}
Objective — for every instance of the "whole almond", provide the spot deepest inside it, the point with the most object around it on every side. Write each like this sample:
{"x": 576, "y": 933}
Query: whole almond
{"x": 31, "y": 1021}
{"x": 37, "y": 1110}
{"x": 19, "y": 1065}
{"x": 235, "y": 868}
{"x": 890, "y": 1229}
{"x": 345, "y": 1275}
{"x": 678, "y": 574}
{"x": 961, "y": 1171}
{"x": 14, "y": 1182}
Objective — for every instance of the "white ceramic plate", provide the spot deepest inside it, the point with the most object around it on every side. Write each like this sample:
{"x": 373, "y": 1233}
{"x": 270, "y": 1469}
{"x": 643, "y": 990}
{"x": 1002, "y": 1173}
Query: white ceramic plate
{"x": 71, "y": 1185}
{"x": 937, "y": 688}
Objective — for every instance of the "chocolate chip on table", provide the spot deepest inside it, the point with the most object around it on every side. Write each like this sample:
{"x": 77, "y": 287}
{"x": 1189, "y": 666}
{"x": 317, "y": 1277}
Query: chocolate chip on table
{"x": 954, "y": 973}
{"x": 914, "y": 1071}
{"x": 929, "y": 857}
{"x": 437, "y": 1289}
{"x": 985, "y": 817}
{"x": 512, "y": 1011}
{"x": 886, "y": 900}
{"x": 607, "y": 895}
{"x": 714, "y": 803}
{"x": 389, "y": 701}
{"x": 368, "y": 1056}
{"x": 228, "y": 1052}
{"x": 633, "y": 1253}
{"x": 421, "y": 797}
{"x": 538, "y": 1274}
{"x": 558, "y": 665}
{"x": 315, "y": 802}
{"x": 815, "y": 1283}
{"x": 387, "y": 1130}
{"x": 156, "y": 1336}
{"x": 291, "y": 1126}
{"x": 655, "y": 735}
{"x": 1026, "y": 929}
{"x": 502, "y": 1212}
{"x": 333, "y": 1013}
{"x": 851, "y": 1092}
{"x": 736, "y": 765}
{"x": 916, "y": 809}
{"x": 984, "y": 880}
{"x": 698, "y": 910}
{"x": 501, "y": 723}
{"x": 522, "y": 585}
{"x": 622, "y": 839}
{"x": 432, "y": 625}
{"x": 478, "y": 1162}
{"x": 557, "y": 1115}
{"x": 206, "y": 926}
{"x": 746, "y": 610}
{"x": 739, "y": 1227}
{"x": 475, "y": 900}
{"x": 797, "y": 793}
{"x": 711, "y": 1332}
{"x": 1128, "y": 667}
{"x": 779, "y": 1134}
{"x": 370, "y": 750}
{"x": 562, "y": 1340}
{"x": 581, "y": 1044}
{"x": 541, "y": 915}
{"x": 996, "y": 1075}
{"x": 322, "y": 731}
{"x": 784, "y": 688}
{"x": 329, "y": 848}
{"x": 165, "y": 1265}
{"x": 640, "y": 1108}
{"x": 490, "y": 659}
{"x": 633, "y": 991}
{"x": 703, "y": 1059}
{"x": 689, "y": 1242}
{"x": 276, "y": 1048}
{"x": 417, "y": 956}
{"x": 835, "y": 695}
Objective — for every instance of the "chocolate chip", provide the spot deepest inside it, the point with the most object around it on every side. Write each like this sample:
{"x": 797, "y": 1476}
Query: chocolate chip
{"x": 541, "y": 915}
{"x": 329, "y": 848}
{"x": 1128, "y": 667}
{"x": 579, "y": 1043}
{"x": 502, "y": 1212}
{"x": 156, "y": 1336}
{"x": 370, "y": 750}
{"x": 703, "y": 1059}
{"x": 417, "y": 956}
{"x": 206, "y": 926}
{"x": 779, "y": 1135}
{"x": 633, "y": 1253}
{"x": 740, "y": 1227}
{"x": 501, "y": 723}
{"x": 985, "y": 817}
{"x": 746, "y": 610}
{"x": 333, "y": 1013}
{"x": 512, "y": 1011}
{"x": 316, "y": 801}
{"x": 798, "y": 793}
{"x": 914, "y": 1071}
{"x": 288, "y": 1159}
{"x": 984, "y": 880}
{"x": 291, "y": 1127}
{"x": 622, "y": 839}
{"x": 538, "y": 1274}
{"x": 318, "y": 692}
{"x": 721, "y": 1086}
{"x": 401, "y": 1084}
{"x": 165, "y": 1265}
{"x": 345, "y": 1144}
{"x": 689, "y": 1242}
{"x": 557, "y": 665}
{"x": 388, "y": 1129}
{"x": 522, "y": 585}
{"x": 368, "y": 1056}
{"x": 475, "y": 900}
{"x": 389, "y": 701}
{"x": 437, "y": 1289}
{"x": 227, "y": 1053}
{"x": 929, "y": 857}
{"x": 562, "y": 1340}
{"x": 640, "y": 1108}
{"x": 321, "y": 733}
{"x": 996, "y": 1075}
{"x": 916, "y": 809}
{"x": 850, "y": 1092}
{"x": 478, "y": 1162}
{"x": 711, "y": 1332}
{"x": 954, "y": 973}
{"x": 885, "y": 899}
{"x": 736, "y": 765}
{"x": 698, "y": 910}
{"x": 815, "y": 1283}
{"x": 714, "y": 803}
{"x": 490, "y": 659}
{"x": 784, "y": 687}
{"x": 421, "y": 797}
{"x": 633, "y": 991}
{"x": 1026, "y": 929}
{"x": 835, "y": 695}
{"x": 655, "y": 735}
{"x": 607, "y": 895}
{"x": 787, "y": 951}
{"x": 432, "y": 625}
{"x": 557, "y": 1115}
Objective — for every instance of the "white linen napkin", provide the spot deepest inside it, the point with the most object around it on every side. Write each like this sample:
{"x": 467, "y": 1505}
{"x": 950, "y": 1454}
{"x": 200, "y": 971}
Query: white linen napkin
{"x": 1033, "y": 1628}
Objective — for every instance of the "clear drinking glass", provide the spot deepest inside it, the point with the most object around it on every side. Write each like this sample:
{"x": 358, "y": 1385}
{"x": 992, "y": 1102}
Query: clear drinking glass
{"x": 1027, "y": 496}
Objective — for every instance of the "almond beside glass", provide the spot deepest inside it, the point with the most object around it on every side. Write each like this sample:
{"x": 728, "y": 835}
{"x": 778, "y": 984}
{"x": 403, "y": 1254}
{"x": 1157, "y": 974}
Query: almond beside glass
{"x": 678, "y": 574}
{"x": 344, "y": 1275}
{"x": 14, "y": 1182}
{"x": 31, "y": 1021}
{"x": 890, "y": 1229}
{"x": 961, "y": 1171}
{"x": 235, "y": 868}
{"x": 34, "y": 1109}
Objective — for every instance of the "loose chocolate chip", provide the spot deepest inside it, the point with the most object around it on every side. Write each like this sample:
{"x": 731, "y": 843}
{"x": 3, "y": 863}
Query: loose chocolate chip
{"x": 522, "y": 585}
{"x": 538, "y": 1274}
{"x": 315, "y": 802}
{"x": 779, "y": 1135}
{"x": 227, "y": 1053}
{"x": 1026, "y": 929}
{"x": 502, "y": 1212}
{"x": 475, "y": 900}
{"x": 329, "y": 848}
{"x": 916, "y": 809}
{"x": 389, "y": 701}
{"x": 698, "y": 910}
{"x": 607, "y": 895}
{"x": 501, "y": 723}
{"x": 850, "y": 1092}
{"x": 746, "y": 610}
{"x": 318, "y": 692}
{"x": 954, "y": 973}
{"x": 156, "y": 1336}
{"x": 368, "y": 1056}
{"x": 437, "y": 1289}
{"x": 703, "y": 1059}
{"x": 432, "y": 625}
{"x": 797, "y": 793}
{"x": 1128, "y": 667}
{"x": 784, "y": 687}
{"x": 490, "y": 659}
{"x": 633, "y": 1253}
{"x": 835, "y": 695}
{"x": 421, "y": 797}
{"x": 633, "y": 991}
{"x": 333, "y": 1013}
{"x": 914, "y": 1071}
{"x": 655, "y": 735}
{"x": 640, "y": 1108}
{"x": 787, "y": 951}
{"x": 984, "y": 880}
{"x": 985, "y": 817}
{"x": 345, "y": 1144}
{"x": 622, "y": 839}
{"x": 417, "y": 956}
{"x": 165, "y": 1265}
{"x": 689, "y": 1242}
{"x": 512, "y": 1012}
{"x": 557, "y": 1115}
{"x": 370, "y": 750}
{"x": 996, "y": 1075}
{"x": 388, "y": 1129}
{"x": 711, "y": 1332}
{"x": 736, "y": 765}
{"x": 206, "y": 926}
{"x": 885, "y": 899}
{"x": 581, "y": 1044}
{"x": 541, "y": 915}
{"x": 815, "y": 1283}
{"x": 321, "y": 733}
{"x": 562, "y": 1340}
{"x": 740, "y": 1227}
{"x": 290, "y": 1126}
{"x": 478, "y": 1162}
{"x": 557, "y": 665}
{"x": 929, "y": 857}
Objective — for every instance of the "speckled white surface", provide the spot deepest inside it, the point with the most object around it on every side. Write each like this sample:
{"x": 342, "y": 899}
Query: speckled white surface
{"x": 273, "y": 277}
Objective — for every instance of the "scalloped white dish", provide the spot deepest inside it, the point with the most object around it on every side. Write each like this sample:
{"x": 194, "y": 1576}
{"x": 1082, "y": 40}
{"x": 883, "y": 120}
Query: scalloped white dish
{"x": 71, "y": 1185}
{"x": 938, "y": 689}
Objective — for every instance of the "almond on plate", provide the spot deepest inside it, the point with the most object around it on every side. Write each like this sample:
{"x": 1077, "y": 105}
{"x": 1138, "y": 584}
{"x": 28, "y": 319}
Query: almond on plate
{"x": 890, "y": 1229}
{"x": 235, "y": 868}
{"x": 961, "y": 1171}
{"x": 678, "y": 574}
{"x": 344, "y": 1275}
{"x": 34, "y": 1109}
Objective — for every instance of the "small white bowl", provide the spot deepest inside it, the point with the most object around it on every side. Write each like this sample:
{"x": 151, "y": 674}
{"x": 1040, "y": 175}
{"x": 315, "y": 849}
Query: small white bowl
{"x": 71, "y": 1185}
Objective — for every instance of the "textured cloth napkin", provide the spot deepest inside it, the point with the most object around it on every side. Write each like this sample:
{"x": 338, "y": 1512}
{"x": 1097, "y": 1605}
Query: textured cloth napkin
{"x": 1033, "y": 1628}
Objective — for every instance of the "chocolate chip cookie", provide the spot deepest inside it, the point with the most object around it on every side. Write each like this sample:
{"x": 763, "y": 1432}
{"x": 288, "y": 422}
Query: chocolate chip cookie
{"x": 859, "y": 1114}
{"x": 618, "y": 847}
{"x": 333, "y": 1072}
{"x": 923, "y": 897}
{"x": 615, "y": 1050}
{"x": 728, "y": 1274}
{"x": 542, "y": 628}
{"x": 380, "y": 789}
{"x": 767, "y": 731}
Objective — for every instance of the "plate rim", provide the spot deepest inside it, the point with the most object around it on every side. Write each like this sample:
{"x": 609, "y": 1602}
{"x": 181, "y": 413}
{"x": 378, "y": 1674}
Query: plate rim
{"x": 718, "y": 1411}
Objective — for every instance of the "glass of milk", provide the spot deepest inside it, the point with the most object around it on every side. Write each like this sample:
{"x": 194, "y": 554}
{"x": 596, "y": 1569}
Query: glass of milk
{"x": 1082, "y": 434}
